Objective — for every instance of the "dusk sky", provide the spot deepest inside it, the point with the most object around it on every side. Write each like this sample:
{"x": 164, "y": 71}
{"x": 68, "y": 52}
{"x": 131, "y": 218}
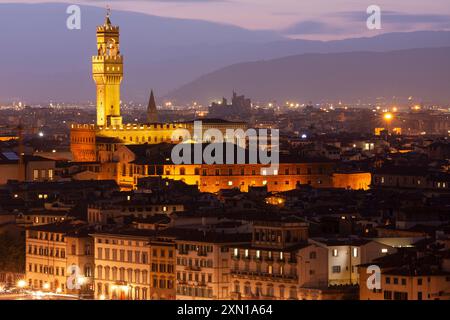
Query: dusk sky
{"x": 318, "y": 19}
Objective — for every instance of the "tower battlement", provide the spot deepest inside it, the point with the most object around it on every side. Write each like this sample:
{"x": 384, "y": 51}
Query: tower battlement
{"x": 108, "y": 28}
{"x": 153, "y": 126}
{"x": 82, "y": 126}
{"x": 115, "y": 59}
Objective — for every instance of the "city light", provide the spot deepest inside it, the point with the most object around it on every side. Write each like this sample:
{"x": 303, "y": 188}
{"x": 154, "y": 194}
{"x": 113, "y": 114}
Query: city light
{"x": 388, "y": 116}
{"x": 81, "y": 280}
{"x": 21, "y": 283}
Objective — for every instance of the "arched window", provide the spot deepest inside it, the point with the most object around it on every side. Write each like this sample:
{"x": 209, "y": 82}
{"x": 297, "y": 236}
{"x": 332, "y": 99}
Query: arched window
{"x": 88, "y": 270}
{"x": 269, "y": 291}
{"x": 293, "y": 293}
{"x": 237, "y": 287}
{"x": 144, "y": 293}
{"x": 107, "y": 273}
{"x": 182, "y": 171}
{"x": 144, "y": 277}
{"x": 247, "y": 289}
{"x": 114, "y": 273}
{"x": 281, "y": 292}
{"x": 258, "y": 290}
{"x": 137, "y": 276}
{"x": 130, "y": 275}
{"x": 99, "y": 272}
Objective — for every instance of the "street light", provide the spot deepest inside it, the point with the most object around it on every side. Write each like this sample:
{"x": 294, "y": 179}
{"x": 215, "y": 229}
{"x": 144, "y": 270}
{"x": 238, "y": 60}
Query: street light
{"x": 388, "y": 118}
{"x": 21, "y": 284}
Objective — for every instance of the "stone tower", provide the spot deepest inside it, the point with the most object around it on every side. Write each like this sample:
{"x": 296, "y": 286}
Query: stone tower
{"x": 107, "y": 71}
{"x": 152, "y": 113}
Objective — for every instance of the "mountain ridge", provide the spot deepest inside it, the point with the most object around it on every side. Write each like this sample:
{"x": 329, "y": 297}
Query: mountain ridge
{"x": 347, "y": 76}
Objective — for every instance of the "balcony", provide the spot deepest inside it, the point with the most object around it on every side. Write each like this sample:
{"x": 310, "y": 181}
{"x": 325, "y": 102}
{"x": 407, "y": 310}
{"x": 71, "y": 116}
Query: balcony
{"x": 265, "y": 275}
{"x": 193, "y": 268}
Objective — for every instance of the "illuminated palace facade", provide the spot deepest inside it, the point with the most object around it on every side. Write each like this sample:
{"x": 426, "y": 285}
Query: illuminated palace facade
{"x": 110, "y": 149}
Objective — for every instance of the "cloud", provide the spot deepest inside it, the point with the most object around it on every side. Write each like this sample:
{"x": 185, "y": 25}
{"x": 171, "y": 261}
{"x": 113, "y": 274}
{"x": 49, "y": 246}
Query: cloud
{"x": 400, "y": 18}
{"x": 310, "y": 27}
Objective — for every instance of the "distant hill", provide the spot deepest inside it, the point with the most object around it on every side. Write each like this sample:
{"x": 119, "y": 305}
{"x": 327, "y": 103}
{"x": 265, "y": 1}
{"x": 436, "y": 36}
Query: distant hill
{"x": 349, "y": 76}
{"x": 41, "y": 59}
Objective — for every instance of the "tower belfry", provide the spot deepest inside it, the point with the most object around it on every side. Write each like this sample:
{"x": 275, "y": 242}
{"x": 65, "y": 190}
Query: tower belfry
{"x": 107, "y": 71}
{"x": 152, "y": 113}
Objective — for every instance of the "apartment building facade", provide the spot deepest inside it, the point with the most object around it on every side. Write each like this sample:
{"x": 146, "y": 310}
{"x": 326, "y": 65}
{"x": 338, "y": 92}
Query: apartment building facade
{"x": 133, "y": 265}
{"x": 59, "y": 258}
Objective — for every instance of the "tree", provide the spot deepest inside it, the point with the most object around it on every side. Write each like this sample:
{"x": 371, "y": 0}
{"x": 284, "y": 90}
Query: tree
{"x": 12, "y": 253}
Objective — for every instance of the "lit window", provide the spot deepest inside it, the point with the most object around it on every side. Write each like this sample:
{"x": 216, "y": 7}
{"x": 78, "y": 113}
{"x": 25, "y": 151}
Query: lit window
{"x": 246, "y": 253}
{"x": 35, "y": 174}
{"x": 50, "y": 174}
{"x": 355, "y": 252}
{"x": 281, "y": 256}
{"x": 264, "y": 182}
{"x": 264, "y": 172}
{"x": 335, "y": 252}
{"x": 236, "y": 252}
{"x": 275, "y": 172}
{"x": 384, "y": 250}
{"x": 382, "y": 179}
{"x": 258, "y": 254}
{"x": 230, "y": 183}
